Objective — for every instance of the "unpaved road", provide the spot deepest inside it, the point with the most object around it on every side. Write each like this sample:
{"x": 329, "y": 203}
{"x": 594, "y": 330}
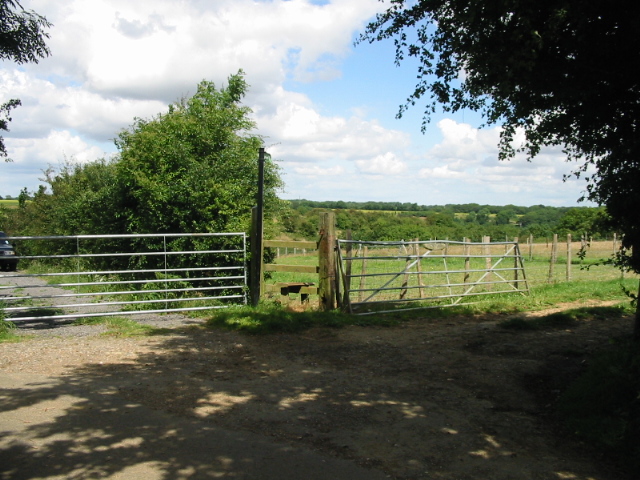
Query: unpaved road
{"x": 429, "y": 399}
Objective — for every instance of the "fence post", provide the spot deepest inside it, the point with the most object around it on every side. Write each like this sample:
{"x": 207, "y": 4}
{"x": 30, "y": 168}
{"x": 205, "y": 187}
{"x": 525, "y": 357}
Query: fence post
{"x": 516, "y": 253}
{"x": 467, "y": 260}
{"x": 486, "y": 247}
{"x": 568, "y": 257}
{"x": 363, "y": 273}
{"x": 554, "y": 257}
{"x": 346, "y": 301}
{"x": 416, "y": 252}
{"x": 327, "y": 262}
{"x": 256, "y": 279}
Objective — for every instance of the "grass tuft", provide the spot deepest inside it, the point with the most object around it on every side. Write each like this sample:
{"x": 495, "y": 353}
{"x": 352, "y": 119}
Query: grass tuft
{"x": 271, "y": 318}
{"x": 7, "y": 329}
{"x": 121, "y": 327}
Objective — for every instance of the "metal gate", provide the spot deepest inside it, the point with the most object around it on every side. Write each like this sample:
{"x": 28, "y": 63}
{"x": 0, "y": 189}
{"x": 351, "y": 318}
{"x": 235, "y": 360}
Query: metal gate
{"x": 427, "y": 274}
{"x": 70, "y": 277}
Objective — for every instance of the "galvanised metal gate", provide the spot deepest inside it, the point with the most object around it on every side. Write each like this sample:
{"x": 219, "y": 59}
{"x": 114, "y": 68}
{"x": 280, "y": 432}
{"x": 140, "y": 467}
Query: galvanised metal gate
{"x": 428, "y": 274}
{"x": 70, "y": 277}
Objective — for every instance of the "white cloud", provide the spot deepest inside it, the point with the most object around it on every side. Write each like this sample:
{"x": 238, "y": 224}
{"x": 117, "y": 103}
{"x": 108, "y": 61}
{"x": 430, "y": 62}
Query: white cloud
{"x": 304, "y": 135}
{"x": 385, "y": 164}
{"x": 317, "y": 171}
{"x": 471, "y": 154}
{"x": 53, "y": 149}
{"x": 443, "y": 171}
{"x": 160, "y": 49}
{"x": 46, "y": 106}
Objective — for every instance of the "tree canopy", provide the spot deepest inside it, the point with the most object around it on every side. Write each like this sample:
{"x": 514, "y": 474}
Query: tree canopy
{"x": 559, "y": 71}
{"x": 22, "y": 39}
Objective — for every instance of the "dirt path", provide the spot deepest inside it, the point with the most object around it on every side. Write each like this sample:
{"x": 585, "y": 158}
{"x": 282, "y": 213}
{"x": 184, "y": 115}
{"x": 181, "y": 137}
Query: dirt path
{"x": 450, "y": 399}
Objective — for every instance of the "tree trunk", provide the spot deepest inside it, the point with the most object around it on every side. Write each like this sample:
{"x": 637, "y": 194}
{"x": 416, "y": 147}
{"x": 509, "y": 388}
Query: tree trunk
{"x": 636, "y": 324}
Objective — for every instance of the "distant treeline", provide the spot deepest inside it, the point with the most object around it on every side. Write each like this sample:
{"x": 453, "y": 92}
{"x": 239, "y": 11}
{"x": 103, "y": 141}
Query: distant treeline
{"x": 395, "y": 220}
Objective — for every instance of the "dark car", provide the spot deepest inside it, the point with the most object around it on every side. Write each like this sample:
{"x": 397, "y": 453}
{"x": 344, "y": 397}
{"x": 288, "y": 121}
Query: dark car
{"x": 8, "y": 260}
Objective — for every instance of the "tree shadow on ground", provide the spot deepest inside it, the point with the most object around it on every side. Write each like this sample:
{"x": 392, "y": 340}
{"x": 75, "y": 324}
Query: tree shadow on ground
{"x": 213, "y": 404}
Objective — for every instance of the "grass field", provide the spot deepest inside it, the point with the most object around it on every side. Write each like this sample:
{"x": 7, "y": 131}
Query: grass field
{"x": 8, "y": 203}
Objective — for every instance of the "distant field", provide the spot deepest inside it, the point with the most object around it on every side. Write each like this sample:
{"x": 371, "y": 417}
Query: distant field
{"x": 9, "y": 203}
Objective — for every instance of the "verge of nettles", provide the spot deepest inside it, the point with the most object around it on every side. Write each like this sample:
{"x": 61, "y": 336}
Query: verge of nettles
{"x": 603, "y": 405}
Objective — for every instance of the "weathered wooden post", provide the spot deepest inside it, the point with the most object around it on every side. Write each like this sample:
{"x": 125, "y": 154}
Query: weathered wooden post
{"x": 327, "y": 262}
{"x": 257, "y": 229}
{"x": 569, "y": 257}
{"x": 363, "y": 274}
{"x": 256, "y": 277}
{"x": 486, "y": 247}
{"x": 516, "y": 255}
{"x": 554, "y": 258}
{"x": 416, "y": 252}
{"x": 347, "y": 277}
{"x": 467, "y": 259}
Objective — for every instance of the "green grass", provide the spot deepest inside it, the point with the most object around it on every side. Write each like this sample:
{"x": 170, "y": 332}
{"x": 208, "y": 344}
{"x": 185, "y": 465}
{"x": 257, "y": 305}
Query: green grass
{"x": 550, "y": 295}
{"x": 7, "y": 329}
{"x": 7, "y": 332}
{"x": 122, "y": 327}
{"x": 272, "y": 318}
{"x": 9, "y": 203}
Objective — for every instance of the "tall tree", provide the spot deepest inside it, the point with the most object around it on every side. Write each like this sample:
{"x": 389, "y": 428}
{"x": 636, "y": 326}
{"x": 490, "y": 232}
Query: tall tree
{"x": 560, "y": 71}
{"x": 195, "y": 167}
{"x": 191, "y": 169}
{"x": 22, "y": 40}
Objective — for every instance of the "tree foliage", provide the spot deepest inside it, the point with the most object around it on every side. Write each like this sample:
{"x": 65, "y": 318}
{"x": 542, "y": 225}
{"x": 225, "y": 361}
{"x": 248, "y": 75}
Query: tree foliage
{"x": 558, "y": 71}
{"x": 454, "y": 222}
{"x": 22, "y": 40}
{"x": 192, "y": 169}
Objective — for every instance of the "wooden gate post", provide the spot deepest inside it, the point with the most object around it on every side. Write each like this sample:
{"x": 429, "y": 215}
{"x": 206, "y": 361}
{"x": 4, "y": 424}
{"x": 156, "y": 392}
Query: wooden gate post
{"x": 327, "y": 262}
{"x": 256, "y": 277}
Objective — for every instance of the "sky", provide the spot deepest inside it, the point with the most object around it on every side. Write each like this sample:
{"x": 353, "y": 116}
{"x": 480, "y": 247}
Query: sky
{"x": 326, "y": 107}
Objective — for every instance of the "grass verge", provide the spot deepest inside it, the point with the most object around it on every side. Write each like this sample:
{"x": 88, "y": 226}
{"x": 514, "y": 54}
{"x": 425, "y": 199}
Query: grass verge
{"x": 7, "y": 329}
{"x": 273, "y": 317}
{"x": 7, "y": 332}
{"x": 122, "y": 327}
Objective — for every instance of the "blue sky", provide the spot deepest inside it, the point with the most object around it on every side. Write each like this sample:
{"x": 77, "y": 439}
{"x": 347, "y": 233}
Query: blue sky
{"x": 326, "y": 107}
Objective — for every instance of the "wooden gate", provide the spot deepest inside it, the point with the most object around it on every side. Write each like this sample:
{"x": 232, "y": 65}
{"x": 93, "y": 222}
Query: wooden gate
{"x": 325, "y": 268}
{"x": 377, "y": 276}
